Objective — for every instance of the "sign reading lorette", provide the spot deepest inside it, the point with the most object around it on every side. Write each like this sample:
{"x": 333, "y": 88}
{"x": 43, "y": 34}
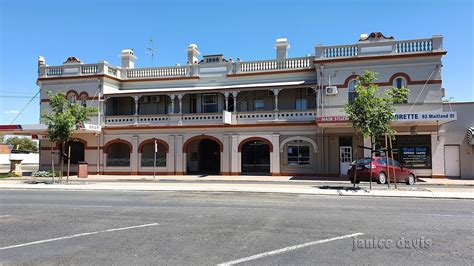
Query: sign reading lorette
{"x": 399, "y": 117}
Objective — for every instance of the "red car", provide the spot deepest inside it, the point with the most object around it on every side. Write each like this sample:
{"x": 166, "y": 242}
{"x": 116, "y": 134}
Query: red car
{"x": 379, "y": 171}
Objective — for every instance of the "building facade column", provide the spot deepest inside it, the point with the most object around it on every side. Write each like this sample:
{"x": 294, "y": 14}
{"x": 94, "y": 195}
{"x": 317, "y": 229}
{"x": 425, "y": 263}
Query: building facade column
{"x": 136, "y": 99}
{"x": 234, "y": 155}
{"x": 180, "y": 99}
{"x": 226, "y": 155}
{"x": 180, "y": 158}
{"x": 366, "y": 144}
{"x": 134, "y": 159}
{"x": 275, "y": 94}
{"x": 275, "y": 155}
{"x": 437, "y": 155}
{"x": 170, "y": 157}
{"x": 226, "y": 98}
{"x": 234, "y": 95}
{"x": 172, "y": 97}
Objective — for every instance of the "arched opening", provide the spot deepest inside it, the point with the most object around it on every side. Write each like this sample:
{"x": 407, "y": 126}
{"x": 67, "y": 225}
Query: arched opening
{"x": 118, "y": 154}
{"x": 255, "y": 154}
{"x": 77, "y": 151}
{"x": 147, "y": 149}
{"x": 203, "y": 156}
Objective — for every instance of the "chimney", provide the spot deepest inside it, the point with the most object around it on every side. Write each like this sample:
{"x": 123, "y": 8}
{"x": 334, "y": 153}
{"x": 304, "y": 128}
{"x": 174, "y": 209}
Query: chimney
{"x": 281, "y": 47}
{"x": 128, "y": 58}
{"x": 193, "y": 53}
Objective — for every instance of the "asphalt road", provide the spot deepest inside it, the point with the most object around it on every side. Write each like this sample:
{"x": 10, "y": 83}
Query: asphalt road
{"x": 106, "y": 227}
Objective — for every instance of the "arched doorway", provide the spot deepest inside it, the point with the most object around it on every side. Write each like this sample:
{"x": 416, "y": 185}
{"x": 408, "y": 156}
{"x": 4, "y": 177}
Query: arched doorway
{"x": 203, "y": 155}
{"x": 77, "y": 151}
{"x": 118, "y": 153}
{"x": 255, "y": 154}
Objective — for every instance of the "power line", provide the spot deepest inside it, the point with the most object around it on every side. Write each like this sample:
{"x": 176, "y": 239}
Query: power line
{"x": 24, "y": 107}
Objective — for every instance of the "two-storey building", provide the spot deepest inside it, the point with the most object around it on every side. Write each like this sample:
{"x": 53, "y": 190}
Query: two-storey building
{"x": 281, "y": 116}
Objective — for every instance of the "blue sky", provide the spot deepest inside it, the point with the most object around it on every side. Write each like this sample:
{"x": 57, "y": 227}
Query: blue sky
{"x": 99, "y": 30}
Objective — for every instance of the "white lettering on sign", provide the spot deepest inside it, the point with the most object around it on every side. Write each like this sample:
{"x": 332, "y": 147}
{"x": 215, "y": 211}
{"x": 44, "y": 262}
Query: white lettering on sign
{"x": 426, "y": 116}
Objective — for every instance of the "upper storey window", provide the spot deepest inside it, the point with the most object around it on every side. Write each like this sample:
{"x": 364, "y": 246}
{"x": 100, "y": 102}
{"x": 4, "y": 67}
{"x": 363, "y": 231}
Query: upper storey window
{"x": 84, "y": 101}
{"x": 352, "y": 91}
{"x": 71, "y": 98}
{"x": 400, "y": 83}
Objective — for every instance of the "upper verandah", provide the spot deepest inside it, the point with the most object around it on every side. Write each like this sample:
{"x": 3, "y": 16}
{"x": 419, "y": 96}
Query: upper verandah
{"x": 369, "y": 46}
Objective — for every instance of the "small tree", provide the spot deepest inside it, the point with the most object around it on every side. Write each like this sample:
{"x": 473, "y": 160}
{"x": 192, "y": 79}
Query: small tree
{"x": 371, "y": 112}
{"x": 23, "y": 144}
{"x": 63, "y": 119}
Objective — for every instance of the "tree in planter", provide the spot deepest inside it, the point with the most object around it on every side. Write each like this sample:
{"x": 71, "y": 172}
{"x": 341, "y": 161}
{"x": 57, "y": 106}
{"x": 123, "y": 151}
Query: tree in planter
{"x": 371, "y": 111}
{"x": 63, "y": 119}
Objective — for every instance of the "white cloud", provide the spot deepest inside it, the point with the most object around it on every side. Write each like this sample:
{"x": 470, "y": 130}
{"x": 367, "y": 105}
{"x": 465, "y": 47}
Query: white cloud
{"x": 12, "y": 112}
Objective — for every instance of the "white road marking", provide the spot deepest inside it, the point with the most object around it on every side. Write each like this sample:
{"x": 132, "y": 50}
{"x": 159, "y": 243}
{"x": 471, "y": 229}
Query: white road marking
{"x": 287, "y": 249}
{"x": 6, "y": 215}
{"x": 77, "y": 235}
{"x": 92, "y": 206}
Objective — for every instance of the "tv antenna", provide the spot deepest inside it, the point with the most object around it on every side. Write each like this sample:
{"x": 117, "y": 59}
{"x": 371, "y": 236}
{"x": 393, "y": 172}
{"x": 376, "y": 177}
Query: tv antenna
{"x": 151, "y": 50}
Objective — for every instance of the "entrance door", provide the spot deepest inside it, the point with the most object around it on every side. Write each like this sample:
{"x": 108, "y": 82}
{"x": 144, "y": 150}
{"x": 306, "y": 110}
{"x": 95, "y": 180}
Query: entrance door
{"x": 209, "y": 157}
{"x": 451, "y": 161}
{"x": 345, "y": 159}
{"x": 256, "y": 158}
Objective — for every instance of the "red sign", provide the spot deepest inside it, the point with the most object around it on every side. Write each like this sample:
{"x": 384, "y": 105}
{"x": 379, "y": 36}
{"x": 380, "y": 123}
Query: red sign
{"x": 332, "y": 119}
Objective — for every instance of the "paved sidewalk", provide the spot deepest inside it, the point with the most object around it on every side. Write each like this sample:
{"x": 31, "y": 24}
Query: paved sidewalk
{"x": 246, "y": 184}
{"x": 243, "y": 178}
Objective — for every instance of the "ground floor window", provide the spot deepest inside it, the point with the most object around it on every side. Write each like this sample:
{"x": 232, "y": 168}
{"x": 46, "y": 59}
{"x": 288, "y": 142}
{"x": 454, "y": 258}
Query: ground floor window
{"x": 413, "y": 151}
{"x": 118, "y": 154}
{"x": 148, "y": 154}
{"x": 298, "y": 154}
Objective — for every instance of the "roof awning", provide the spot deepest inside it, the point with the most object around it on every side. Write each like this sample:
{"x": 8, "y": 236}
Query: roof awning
{"x": 41, "y": 129}
{"x": 208, "y": 88}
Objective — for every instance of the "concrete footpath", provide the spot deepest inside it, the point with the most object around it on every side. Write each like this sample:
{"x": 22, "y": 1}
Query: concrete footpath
{"x": 433, "y": 188}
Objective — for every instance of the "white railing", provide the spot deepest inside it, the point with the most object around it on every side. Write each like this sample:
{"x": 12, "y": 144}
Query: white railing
{"x": 120, "y": 120}
{"x": 271, "y": 65}
{"x": 297, "y": 115}
{"x": 54, "y": 71}
{"x": 341, "y": 51}
{"x": 204, "y": 117}
{"x": 179, "y": 71}
{"x": 153, "y": 119}
{"x": 257, "y": 115}
{"x": 380, "y": 48}
{"x": 424, "y": 45}
{"x": 112, "y": 71}
{"x": 89, "y": 69}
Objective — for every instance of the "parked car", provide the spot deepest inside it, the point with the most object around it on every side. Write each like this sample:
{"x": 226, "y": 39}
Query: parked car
{"x": 379, "y": 171}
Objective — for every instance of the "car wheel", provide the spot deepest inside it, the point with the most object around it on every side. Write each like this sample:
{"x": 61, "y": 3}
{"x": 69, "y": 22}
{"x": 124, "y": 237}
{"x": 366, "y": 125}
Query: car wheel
{"x": 411, "y": 180}
{"x": 382, "y": 178}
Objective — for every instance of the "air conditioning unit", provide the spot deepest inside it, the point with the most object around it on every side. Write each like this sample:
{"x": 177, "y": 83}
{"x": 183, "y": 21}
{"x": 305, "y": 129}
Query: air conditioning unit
{"x": 331, "y": 90}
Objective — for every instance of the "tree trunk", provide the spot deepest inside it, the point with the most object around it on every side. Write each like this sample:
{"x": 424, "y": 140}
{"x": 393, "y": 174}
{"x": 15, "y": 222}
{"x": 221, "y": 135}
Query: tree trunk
{"x": 355, "y": 166}
{"x": 62, "y": 163}
{"x": 370, "y": 163}
{"x": 52, "y": 161}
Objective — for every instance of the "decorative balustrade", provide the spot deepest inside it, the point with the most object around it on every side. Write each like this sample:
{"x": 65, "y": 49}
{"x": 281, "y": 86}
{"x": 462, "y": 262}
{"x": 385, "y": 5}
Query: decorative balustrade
{"x": 54, "y": 71}
{"x": 202, "y": 117}
{"x": 290, "y": 115}
{"x": 119, "y": 120}
{"x": 179, "y": 71}
{"x": 112, "y": 71}
{"x": 270, "y": 65}
{"x": 380, "y": 48}
{"x": 153, "y": 119}
{"x": 89, "y": 69}
{"x": 341, "y": 51}
{"x": 425, "y": 45}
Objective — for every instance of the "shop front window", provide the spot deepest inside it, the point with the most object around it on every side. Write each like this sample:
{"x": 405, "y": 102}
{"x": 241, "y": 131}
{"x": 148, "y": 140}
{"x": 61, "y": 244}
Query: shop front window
{"x": 412, "y": 151}
{"x": 298, "y": 154}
